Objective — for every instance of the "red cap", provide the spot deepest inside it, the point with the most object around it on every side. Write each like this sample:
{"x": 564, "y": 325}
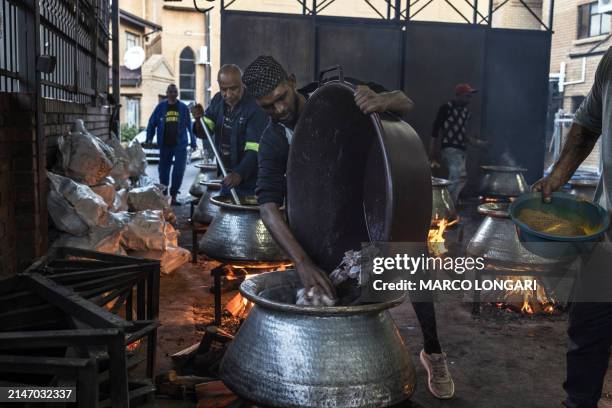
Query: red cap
{"x": 463, "y": 89}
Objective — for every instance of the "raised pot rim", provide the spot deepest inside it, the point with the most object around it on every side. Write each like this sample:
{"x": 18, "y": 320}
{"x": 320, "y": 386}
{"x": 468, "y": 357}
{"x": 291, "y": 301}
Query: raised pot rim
{"x": 498, "y": 210}
{"x": 251, "y": 288}
{"x": 215, "y": 200}
{"x": 440, "y": 182}
{"x": 215, "y": 184}
{"x": 504, "y": 169}
{"x": 205, "y": 166}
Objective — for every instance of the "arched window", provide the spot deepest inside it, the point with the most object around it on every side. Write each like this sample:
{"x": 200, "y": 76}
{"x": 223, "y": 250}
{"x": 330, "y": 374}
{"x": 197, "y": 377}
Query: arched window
{"x": 187, "y": 75}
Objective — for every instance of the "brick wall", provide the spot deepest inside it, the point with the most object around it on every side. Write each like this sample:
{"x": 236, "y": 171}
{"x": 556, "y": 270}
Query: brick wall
{"x": 23, "y": 187}
{"x": 59, "y": 117}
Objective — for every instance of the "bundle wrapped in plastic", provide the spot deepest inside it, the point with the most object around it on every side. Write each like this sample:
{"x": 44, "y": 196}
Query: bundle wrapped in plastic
{"x": 121, "y": 165}
{"x": 171, "y": 259}
{"x": 349, "y": 268}
{"x": 69, "y": 198}
{"x": 149, "y": 198}
{"x": 137, "y": 159}
{"x": 106, "y": 190}
{"x": 120, "y": 203}
{"x": 85, "y": 158}
{"x": 101, "y": 239}
{"x": 148, "y": 230}
{"x": 145, "y": 181}
{"x": 64, "y": 216}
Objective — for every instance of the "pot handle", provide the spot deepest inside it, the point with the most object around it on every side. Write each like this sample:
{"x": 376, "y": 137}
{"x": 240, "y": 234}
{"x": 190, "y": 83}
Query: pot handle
{"x": 331, "y": 69}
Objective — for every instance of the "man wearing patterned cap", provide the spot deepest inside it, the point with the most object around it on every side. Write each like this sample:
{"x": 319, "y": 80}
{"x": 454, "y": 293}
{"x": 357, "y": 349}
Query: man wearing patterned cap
{"x": 276, "y": 92}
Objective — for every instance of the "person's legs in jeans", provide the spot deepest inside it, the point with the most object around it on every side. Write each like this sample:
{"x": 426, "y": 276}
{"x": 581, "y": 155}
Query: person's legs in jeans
{"x": 178, "y": 170}
{"x": 165, "y": 161}
{"x": 454, "y": 160}
{"x": 590, "y": 334}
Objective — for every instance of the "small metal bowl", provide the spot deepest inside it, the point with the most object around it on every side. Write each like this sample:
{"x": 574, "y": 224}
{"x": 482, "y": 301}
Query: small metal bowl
{"x": 565, "y": 206}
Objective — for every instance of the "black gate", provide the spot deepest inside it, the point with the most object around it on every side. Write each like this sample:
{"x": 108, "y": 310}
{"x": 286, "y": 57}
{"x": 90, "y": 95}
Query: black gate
{"x": 509, "y": 67}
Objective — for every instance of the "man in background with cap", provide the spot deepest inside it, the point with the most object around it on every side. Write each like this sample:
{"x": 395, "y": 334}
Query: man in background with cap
{"x": 451, "y": 124}
{"x": 276, "y": 92}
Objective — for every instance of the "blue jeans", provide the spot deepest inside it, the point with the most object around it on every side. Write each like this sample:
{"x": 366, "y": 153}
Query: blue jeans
{"x": 454, "y": 160}
{"x": 175, "y": 157}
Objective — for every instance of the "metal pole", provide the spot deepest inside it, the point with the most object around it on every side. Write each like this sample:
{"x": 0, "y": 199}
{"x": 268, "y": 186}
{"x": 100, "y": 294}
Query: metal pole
{"x": 551, "y": 10}
{"x": 115, "y": 67}
{"x": 490, "y": 19}
{"x": 219, "y": 161}
{"x": 475, "y": 11}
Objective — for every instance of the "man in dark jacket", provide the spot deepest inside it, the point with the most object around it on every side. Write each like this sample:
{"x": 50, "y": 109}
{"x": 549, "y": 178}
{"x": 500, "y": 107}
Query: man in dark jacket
{"x": 277, "y": 94}
{"x": 172, "y": 123}
{"x": 237, "y": 122}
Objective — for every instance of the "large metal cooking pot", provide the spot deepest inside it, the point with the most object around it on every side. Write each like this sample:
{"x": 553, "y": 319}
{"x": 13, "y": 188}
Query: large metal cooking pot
{"x": 286, "y": 355}
{"x": 237, "y": 233}
{"x": 205, "y": 212}
{"x": 497, "y": 242}
{"x": 503, "y": 181}
{"x": 354, "y": 178}
{"x": 582, "y": 188}
{"x": 207, "y": 172}
{"x": 442, "y": 207}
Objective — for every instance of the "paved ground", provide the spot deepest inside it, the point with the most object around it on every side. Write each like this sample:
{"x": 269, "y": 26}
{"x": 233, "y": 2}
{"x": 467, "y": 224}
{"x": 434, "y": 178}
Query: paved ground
{"x": 498, "y": 360}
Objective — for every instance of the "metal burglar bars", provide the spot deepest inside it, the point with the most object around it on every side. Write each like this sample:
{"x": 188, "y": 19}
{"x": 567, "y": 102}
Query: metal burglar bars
{"x": 75, "y": 32}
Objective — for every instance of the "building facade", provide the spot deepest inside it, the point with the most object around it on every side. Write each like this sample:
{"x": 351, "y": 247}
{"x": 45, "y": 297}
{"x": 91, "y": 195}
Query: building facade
{"x": 174, "y": 37}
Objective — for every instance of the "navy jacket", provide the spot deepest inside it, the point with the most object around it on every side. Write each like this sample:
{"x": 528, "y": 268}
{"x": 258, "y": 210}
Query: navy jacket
{"x": 157, "y": 121}
{"x": 247, "y": 127}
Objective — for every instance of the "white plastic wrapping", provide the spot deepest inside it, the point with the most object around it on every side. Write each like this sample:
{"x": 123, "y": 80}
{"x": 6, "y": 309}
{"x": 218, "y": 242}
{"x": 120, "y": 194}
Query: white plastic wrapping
{"x": 149, "y": 198}
{"x": 148, "y": 230}
{"x": 121, "y": 165}
{"x": 170, "y": 259}
{"x": 137, "y": 159}
{"x": 89, "y": 206}
{"x": 85, "y": 158}
{"x": 106, "y": 190}
{"x": 64, "y": 216}
{"x": 120, "y": 203}
{"x": 101, "y": 239}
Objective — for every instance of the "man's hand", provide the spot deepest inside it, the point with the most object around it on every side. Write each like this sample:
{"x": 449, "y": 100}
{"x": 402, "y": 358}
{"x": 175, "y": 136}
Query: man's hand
{"x": 369, "y": 101}
{"x": 315, "y": 279}
{"x": 232, "y": 180}
{"x": 547, "y": 185}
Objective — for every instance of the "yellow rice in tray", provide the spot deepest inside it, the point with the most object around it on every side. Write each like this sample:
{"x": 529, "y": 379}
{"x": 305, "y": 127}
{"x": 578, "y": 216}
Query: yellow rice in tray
{"x": 552, "y": 224}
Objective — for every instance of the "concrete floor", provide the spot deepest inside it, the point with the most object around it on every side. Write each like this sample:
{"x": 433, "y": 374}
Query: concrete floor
{"x": 498, "y": 359}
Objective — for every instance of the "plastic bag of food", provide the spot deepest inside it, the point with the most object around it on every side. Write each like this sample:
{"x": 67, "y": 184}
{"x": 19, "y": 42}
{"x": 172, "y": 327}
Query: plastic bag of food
{"x": 137, "y": 159}
{"x": 64, "y": 216}
{"x": 148, "y": 230}
{"x": 170, "y": 259}
{"x": 120, "y": 203}
{"x": 89, "y": 206}
{"x": 121, "y": 165}
{"x": 85, "y": 158}
{"x": 149, "y": 198}
{"x": 145, "y": 181}
{"x": 101, "y": 239}
{"x": 106, "y": 190}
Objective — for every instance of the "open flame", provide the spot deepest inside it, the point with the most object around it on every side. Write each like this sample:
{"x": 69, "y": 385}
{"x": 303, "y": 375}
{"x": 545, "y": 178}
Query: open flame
{"x": 435, "y": 237}
{"x": 527, "y": 302}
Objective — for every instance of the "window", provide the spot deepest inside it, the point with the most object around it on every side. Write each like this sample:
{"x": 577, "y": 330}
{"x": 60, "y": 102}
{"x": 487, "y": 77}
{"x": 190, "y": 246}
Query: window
{"x": 132, "y": 116}
{"x": 131, "y": 40}
{"x": 576, "y": 102}
{"x": 187, "y": 75}
{"x": 592, "y": 23}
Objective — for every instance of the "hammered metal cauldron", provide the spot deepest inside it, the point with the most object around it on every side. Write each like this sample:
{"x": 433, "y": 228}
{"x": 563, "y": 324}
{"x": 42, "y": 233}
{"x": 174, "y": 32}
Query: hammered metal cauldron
{"x": 207, "y": 172}
{"x": 237, "y": 233}
{"x": 503, "y": 181}
{"x": 497, "y": 242}
{"x": 442, "y": 207}
{"x": 285, "y": 355}
{"x": 354, "y": 178}
{"x": 205, "y": 212}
